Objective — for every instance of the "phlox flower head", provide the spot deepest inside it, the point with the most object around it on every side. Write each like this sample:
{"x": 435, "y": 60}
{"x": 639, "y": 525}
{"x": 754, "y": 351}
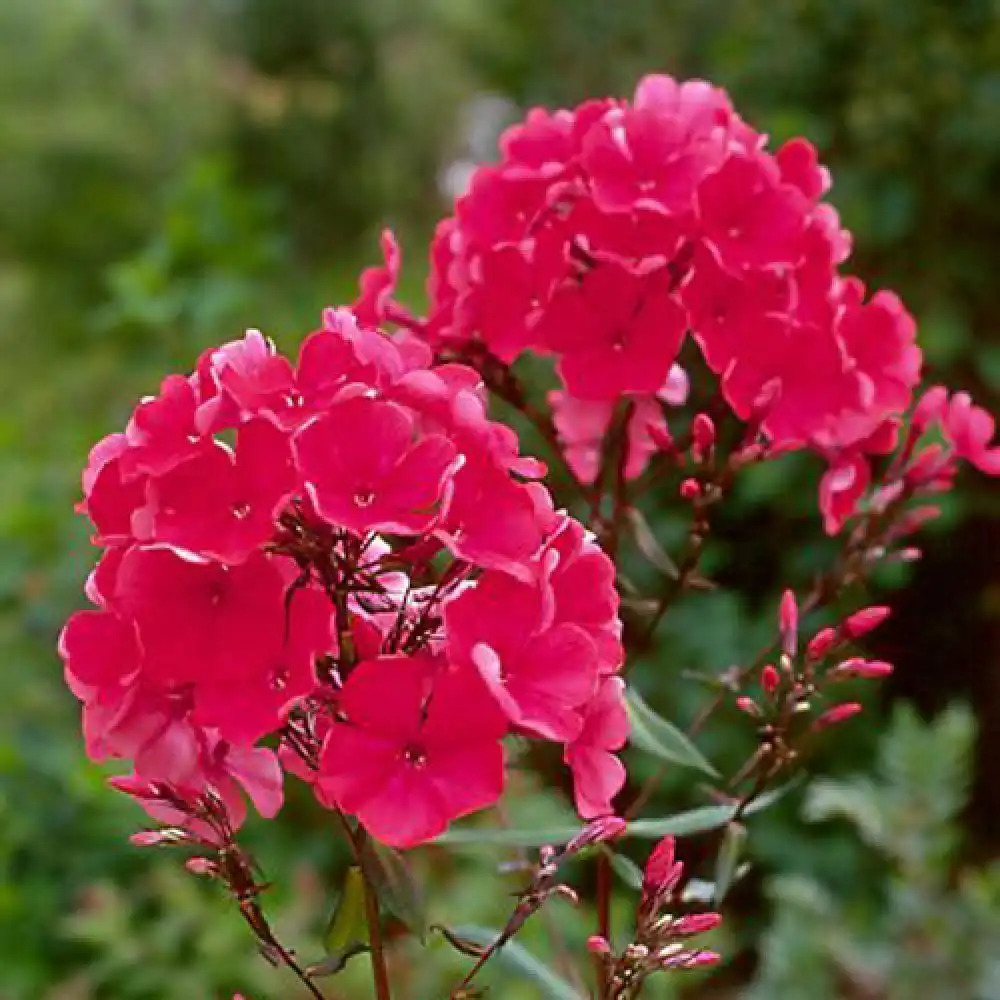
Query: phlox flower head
{"x": 344, "y": 554}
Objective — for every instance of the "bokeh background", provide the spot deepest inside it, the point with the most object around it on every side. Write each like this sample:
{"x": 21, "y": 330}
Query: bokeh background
{"x": 173, "y": 171}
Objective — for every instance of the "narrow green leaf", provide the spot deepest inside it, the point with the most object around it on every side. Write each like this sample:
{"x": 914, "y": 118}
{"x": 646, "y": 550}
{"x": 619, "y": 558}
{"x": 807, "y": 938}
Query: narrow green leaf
{"x": 336, "y": 961}
{"x": 397, "y": 889}
{"x": 460, "y": 944}
{"x": 661, "y": 738}
{"x": 519, "y": 960}
{"x": 649, "y": 545}
{"x": 346, "y": 934}
{"x": 726, "y": 864}
{"x": 504, "y": 837}
{"x": 693, "y": 821}
{"x": 626, "y": 869}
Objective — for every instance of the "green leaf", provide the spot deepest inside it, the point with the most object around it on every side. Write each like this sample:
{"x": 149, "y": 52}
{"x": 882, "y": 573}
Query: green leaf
{"x": 727, "y": 863}
{"x": 661, "y": 738}
{"x": 346, "y": 934}
{"x": 504, "y": 837}
{"x": 336, "y": 961}
{"x": 460, "y": 944}
{"x": 626, "y": 869}
{"x": 397, "y": 889}
{"x": 649, "y": 544}
{"x": 693, "y": 821}
{"x": 519, "y": 960}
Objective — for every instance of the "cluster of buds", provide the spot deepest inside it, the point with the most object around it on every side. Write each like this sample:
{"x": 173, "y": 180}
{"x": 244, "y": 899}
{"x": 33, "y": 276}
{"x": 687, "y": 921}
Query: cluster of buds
{"x": 791, "y": 689}
{"x": 662, "y": 939}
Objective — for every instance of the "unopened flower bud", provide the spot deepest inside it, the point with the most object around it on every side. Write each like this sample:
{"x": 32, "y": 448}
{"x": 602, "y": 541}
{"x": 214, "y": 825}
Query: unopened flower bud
{"x": 598, "y": 945}
{"x": 156, "y": 838}
{"x": 858, "y": 666}
{"x": 769, "y": 679}
{"x": 821, "y": 643}
{"x": 695, "y": 960}
{"x": 863, "y": 621}
{"x": 662, "y": 872}
{"x": 788, "y": 618}
{"x": 702, "y": 435}
{"x": 690, "y": 489}
{"x": 600, "y": 831}
{"x": 915, "y": 519}
{"x": 201, "y": 866}
{"x": 835, "y": 715}
{"x": 746, "y": 704}
{"x": 696, "y": 923}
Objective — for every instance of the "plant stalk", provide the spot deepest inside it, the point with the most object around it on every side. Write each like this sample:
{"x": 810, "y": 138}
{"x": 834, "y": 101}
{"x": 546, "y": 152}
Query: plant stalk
{"x": 380, "y": 974}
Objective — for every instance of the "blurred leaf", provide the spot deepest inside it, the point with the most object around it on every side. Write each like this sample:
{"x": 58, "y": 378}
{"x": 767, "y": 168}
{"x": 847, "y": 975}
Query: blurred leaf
{"x": 858, "y": 801}
{"x": 392, "y": 876}
{"x": 662, "y": 738}
{"x": 626, "y": 869}
{"x": 728, "y": 861}
{"x": 501, "y": 836}
{"x": 457, "y": 942}
{"x": 518, "y": 959}
{"x": 649, "y": 545}
{"x": 707, "y": 818}
{"x": 347, "y": 932}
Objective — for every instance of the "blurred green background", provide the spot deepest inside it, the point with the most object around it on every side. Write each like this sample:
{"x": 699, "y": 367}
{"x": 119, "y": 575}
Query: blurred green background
{"x": 173, "y": 171}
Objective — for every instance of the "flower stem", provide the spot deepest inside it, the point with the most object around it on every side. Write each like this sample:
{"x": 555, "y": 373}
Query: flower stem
{"x": 603, "y": 916}
{"x": 380, "y": 974}
{"x": 357, "y": 838}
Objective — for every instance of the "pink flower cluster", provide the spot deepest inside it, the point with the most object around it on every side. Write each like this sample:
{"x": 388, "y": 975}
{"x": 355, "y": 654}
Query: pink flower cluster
{"x": 345, "y": 552}
{"x": 608, "y": 233}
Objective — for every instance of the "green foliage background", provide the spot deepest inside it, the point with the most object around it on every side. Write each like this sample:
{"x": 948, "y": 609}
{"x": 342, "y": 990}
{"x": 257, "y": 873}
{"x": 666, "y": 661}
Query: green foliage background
{"x": 173, "y": 171}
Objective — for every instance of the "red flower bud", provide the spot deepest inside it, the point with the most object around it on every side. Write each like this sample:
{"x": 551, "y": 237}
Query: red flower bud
{"x": 821, "y": 644}
{"x": 600, "y": 831}
{"x": 598, "y": 945}
{"x": 201, "y": 866}
{"x": 696, "y": 923}
{"x": 857, "y": 666}
{"x": 863, "y": 621}
{"x": 703, "y": 435}
{"x": 769, "y": 679}
{"x": 788, "y": 618}
{"x": 662, "y": 872}
{"x": 835, "y": 715}
{"x": 690, "y": 489}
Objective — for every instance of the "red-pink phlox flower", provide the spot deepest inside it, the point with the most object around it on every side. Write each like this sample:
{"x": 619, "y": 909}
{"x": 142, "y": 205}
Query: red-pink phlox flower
{"x": 541, "y": 672}
{"x": 416, "y": 745}
{"x": 368, "y": 469}
{"x": 220, "y": 503}
{"x": 967, "y": 429}
{"x": 582, "y": 582}
{"x": 615, "y": 332}
{"x": 598, "y": 775}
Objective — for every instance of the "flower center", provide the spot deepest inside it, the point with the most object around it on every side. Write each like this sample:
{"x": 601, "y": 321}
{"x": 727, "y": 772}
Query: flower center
{"x": 415, "y": 756}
